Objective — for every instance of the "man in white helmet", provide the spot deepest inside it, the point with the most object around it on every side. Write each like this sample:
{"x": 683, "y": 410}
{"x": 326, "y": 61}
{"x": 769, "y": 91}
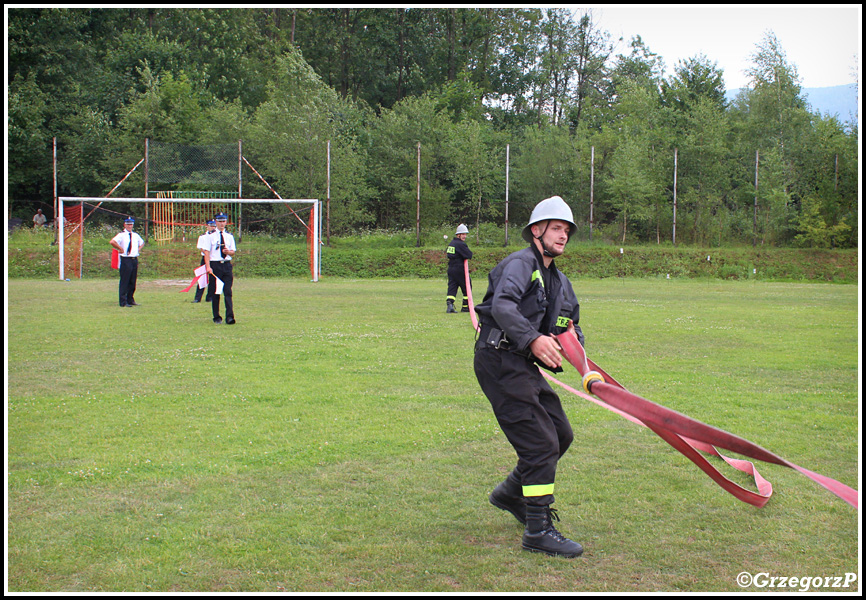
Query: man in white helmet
{"x": 457, "y": 251}
{"x": 527, "y": 302}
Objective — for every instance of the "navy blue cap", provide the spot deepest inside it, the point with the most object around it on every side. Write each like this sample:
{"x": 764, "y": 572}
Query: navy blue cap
{"x": 221, "y": 217}
{"x": 129, "y": 220}
{"x": 211, "y": 222}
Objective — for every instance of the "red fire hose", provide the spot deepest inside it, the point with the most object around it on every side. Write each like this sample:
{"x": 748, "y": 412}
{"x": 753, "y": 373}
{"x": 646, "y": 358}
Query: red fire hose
{"x": 687, "y": 435}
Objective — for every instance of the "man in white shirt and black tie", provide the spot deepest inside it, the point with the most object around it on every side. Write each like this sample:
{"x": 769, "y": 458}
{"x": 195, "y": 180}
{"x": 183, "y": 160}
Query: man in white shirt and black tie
{"x": 218, "y": 248}
{"x": 128, "y": 244}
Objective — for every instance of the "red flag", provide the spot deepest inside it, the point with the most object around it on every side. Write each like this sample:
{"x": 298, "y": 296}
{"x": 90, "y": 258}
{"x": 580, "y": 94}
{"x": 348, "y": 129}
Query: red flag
{"x": 200, "y": 279}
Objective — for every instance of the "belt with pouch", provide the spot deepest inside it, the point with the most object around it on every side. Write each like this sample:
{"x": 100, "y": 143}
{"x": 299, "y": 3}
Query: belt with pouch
{"x": 491, "y": 337}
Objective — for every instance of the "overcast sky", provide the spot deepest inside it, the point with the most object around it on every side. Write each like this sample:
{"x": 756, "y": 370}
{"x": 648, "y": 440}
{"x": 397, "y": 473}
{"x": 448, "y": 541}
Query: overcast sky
{"x": 820, "y": 40}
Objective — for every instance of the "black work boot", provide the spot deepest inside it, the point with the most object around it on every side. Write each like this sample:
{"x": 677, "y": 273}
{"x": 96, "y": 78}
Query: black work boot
{"x": 465, "y": 305}
{"x": 541, "y": 536}
{"x": 449, "y": 308}
{"x": 508, "y": 495}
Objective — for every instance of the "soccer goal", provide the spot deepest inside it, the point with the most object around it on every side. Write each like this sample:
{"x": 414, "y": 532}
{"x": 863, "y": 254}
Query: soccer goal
{"x": 313, "y": 225}
{"x": 184, "y": 187}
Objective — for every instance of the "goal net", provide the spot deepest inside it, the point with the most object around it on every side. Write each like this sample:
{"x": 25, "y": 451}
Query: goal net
{"x": 180, "y": 215}
{"x": 72, "y": 240}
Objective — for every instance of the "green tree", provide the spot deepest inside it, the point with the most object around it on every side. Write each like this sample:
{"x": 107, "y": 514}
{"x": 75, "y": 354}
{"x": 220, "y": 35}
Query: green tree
{"x": 228, "y": 52}
{"x": 557, "y": 63}
{"x": 777, "y": 214}
{"x": 548, "y": 161}
{"x": 593, "y": 48}
{"x": 770, "y": 116}
{"x": 634, "y": 193}
{"x": 694, "y": 78}
{"x": 640, "y": 67}
{"x": 478, "y": 157}
{"x": 703, "y": 171}
{"x": 53, "y": 68}
{"x": 29, "y": 157}
{"x": 393, "y": 166}
{"x": 776, "y": 106}
{"x": 827, "y": 175}
{"x": 631, "y": 187}
{"x": 815, "y": 231}
{"x": 86, "y": 144}
{"x": 641, "y": 133}
{"x": 513, "y": 74}
{"x": 290, "y": 132}
{"x": 168, "y": 110}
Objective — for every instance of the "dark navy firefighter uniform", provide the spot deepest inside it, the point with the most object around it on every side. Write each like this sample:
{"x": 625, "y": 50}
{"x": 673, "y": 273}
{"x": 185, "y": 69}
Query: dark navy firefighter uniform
{"x": 457, "y": 251}
{"x": 524, "y": 301}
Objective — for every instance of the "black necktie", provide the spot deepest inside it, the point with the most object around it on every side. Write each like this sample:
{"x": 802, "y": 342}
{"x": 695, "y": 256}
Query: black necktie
{"x": 129, "y": 248}
{"x": 222, "y": 243}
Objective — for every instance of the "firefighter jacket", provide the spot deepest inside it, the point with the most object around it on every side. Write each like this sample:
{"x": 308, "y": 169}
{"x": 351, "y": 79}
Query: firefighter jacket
{"x": 457, "y": 251}
{"x": 525, "y": 303}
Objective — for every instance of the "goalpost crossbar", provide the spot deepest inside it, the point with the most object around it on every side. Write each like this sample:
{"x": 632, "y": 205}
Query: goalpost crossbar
{"x": 213, "y": 200}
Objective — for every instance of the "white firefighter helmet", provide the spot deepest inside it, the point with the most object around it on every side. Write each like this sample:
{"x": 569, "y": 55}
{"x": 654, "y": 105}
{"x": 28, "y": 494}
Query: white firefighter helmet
{"x": 461, "y": 229}
{"x": 550, "y": 208}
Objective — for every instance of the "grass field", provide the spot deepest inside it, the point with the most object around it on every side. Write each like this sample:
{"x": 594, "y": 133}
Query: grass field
{"x": 335, "y": 440}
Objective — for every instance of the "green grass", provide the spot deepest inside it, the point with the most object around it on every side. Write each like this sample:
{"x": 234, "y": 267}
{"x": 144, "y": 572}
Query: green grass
{"x": 335, "y": 440}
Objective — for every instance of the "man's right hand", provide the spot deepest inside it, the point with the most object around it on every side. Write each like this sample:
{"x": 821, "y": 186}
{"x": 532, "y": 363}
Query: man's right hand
{"x": 546, "y": 349}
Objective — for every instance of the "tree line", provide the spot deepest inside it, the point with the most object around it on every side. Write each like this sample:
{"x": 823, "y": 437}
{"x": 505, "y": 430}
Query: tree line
{"x": 548, "y": 86}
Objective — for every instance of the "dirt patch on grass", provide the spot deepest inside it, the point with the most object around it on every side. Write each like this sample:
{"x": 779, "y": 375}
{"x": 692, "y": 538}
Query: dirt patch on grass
{"x": 169, "y": 282}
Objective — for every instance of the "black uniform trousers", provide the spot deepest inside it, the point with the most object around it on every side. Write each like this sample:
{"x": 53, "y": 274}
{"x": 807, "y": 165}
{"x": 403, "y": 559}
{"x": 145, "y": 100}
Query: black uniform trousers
{"x": 128, "y": 279}
{"x": 457, "y": 279}
{"x": 223, "y": 270}
{"x": 529, "y": 413}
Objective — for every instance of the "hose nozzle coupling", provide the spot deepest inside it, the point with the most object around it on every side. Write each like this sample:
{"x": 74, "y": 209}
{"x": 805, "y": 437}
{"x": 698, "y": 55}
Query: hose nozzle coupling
{"x": 589, "y": 378}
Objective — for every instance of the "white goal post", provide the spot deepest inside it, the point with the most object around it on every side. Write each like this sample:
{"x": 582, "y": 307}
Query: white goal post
{"x": 314, "y": 226}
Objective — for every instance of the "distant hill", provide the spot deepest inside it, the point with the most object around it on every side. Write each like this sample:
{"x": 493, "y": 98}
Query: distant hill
{"x": 839, "y": 100}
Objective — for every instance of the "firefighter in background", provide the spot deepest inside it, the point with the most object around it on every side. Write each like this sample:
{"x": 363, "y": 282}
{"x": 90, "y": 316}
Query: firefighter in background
{"x": 527, "y": 303}
{"x": 457, "y": 251}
